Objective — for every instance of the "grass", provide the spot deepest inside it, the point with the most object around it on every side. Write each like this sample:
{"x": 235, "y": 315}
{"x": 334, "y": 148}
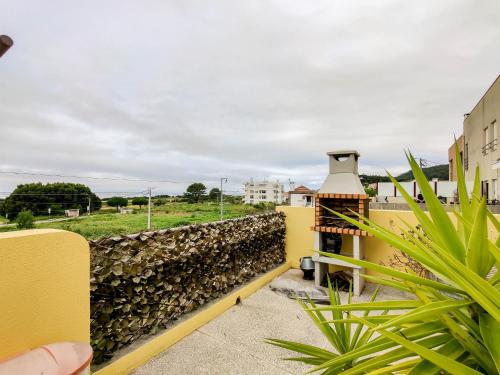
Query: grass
{"x": 110, "y": 223}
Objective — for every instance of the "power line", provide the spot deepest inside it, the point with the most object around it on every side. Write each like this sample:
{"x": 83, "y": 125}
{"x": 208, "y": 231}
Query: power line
{"x": 75, "y": 194}
{"x": 93, "y": 177}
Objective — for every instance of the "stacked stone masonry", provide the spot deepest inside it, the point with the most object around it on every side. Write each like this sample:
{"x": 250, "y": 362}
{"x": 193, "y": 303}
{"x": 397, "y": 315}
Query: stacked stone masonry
{"x": 141, "y": 282}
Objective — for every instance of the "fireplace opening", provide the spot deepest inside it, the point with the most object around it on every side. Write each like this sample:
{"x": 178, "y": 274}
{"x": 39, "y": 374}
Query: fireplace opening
{"x": 350, "y": 205}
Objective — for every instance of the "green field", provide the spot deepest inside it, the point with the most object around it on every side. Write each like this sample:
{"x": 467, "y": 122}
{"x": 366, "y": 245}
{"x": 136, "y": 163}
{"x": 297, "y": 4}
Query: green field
{"x": 109, "y": 223}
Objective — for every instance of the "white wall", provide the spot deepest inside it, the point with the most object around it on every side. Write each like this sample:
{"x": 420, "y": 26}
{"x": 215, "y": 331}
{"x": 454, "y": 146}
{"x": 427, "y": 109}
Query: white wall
{"x": 300, "y": 200}
{"x": 441, "y": 188}
{"x": 385, "y": 189}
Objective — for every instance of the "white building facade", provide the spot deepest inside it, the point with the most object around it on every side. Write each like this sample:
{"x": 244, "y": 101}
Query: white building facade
{"x": 263, "y": 191}
{"x": 387, "y": 192}
{"x": 481, "y": 146}
{"x": 301, "y": 197}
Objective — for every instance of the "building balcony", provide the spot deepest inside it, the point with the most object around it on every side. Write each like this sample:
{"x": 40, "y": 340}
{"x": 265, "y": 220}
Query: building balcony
{"x": 489, "y": 147}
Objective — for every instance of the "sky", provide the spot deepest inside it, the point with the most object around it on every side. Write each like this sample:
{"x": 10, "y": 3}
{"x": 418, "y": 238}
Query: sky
{"x": 190, "y": 91}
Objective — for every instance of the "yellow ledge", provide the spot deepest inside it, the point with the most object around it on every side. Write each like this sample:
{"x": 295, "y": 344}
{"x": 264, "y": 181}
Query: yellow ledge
{"x": 144, "y": 353}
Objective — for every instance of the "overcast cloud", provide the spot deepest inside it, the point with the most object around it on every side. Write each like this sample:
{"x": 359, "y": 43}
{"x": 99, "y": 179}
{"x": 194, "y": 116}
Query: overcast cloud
{"x": 197, "y": 90}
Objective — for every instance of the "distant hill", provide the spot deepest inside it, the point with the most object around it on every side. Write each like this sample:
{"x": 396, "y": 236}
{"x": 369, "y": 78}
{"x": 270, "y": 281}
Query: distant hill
{"x": 437, "y": 171}
{"x": 372, "y": 178}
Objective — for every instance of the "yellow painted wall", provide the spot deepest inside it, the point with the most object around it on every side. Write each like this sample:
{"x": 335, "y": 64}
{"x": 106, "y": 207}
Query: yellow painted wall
{"x": 44, "y": 289}
{"x": 300, "y": 238}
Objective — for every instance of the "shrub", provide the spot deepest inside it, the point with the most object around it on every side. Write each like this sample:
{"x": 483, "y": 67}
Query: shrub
{"x": 117, "y": 202}
{"x": 160, "y": 202}
{"x": 370, "y": 191}
{"x": 214, "y": 194}
{"x": 25, "y": 220}
{"x": 140, "y": 201}
{"x": 451, "y": 325}
{"x": 182, "y": 223}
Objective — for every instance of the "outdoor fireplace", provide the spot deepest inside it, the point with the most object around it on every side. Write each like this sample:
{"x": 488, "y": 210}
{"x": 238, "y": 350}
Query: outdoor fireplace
{"x": 341, "y": 192}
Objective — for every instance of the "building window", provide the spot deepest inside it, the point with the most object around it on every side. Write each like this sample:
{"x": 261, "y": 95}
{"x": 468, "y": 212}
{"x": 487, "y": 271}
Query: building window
{"x": 251, "y": 196}
{"x": 308, "y": 200}
{"x": 263, "y": 197}
{"x": 485, "y": 189}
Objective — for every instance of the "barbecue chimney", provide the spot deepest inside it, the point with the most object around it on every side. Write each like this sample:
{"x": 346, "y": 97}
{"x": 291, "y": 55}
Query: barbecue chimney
{"x": 343, "y": 177}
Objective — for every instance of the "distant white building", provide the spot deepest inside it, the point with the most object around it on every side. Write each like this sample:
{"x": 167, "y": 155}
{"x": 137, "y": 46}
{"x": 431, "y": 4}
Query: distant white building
{"x": 263, "y": 191}
{"x": 302, "y": 197}
{"x": 72, "y": 212}
{"x": 387, "y": 192}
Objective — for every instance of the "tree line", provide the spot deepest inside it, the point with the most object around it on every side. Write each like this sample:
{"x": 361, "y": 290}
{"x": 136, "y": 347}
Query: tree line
{"x": 39, "y": 198}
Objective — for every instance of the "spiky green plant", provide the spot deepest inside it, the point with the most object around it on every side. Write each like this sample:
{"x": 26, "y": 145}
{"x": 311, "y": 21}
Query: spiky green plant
{"x": 452, "y": 325}
{"x": 344, "y": 335}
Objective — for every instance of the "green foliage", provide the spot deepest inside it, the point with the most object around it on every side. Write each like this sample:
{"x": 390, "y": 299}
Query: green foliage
{"x": 235, "y": 199}
{"x": 59, "y": 196}
{"x": 370, "y": 179}
{"x": 117, "y": 202}
{"x": 214, "y": 194}
{"x": 451, "y": 325}
{"x": 370, "y": 191}
{"x": 25, "y": 220}
{"x": 166, "y": 216}
{"x": 159, "y": 202}
{"x": 265, "y": 206}
{"x": 182, "y": 223}
{"x": 344, "y": 335}
{"x": 140, "y": 201}
{"x": 195, "y": 192}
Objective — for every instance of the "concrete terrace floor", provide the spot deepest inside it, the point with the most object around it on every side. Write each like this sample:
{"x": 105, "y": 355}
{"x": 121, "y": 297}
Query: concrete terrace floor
{"x": 233, "y": 342}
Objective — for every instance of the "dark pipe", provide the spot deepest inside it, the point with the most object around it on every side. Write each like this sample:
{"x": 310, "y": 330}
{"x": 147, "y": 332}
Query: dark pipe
{"x": 5, "y": 43}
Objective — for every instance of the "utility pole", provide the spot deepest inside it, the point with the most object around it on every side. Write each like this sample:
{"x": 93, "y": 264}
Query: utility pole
{"x": 223, "y": 179}
{"x": 149, "y": 208}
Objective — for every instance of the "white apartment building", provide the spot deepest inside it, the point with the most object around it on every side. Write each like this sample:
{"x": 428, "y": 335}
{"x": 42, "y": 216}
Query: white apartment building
{"x": 481, "y": 142}
{"x": 263, "y": 191}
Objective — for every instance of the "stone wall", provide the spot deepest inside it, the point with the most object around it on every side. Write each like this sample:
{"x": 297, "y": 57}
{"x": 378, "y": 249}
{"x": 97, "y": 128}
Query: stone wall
{"x": 141, "y": 282}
